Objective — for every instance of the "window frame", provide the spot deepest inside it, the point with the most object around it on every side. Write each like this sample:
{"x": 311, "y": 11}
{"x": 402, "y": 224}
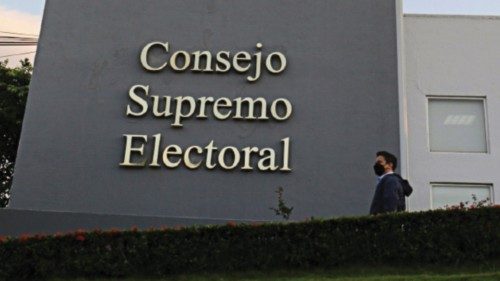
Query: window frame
{"x": 458, "y": 184}
{"x": 451, "y": 98}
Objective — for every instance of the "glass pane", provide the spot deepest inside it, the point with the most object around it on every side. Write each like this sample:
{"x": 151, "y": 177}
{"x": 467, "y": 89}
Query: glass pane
{"x": 451, "y": 195}
{"x": 457, "y": 125}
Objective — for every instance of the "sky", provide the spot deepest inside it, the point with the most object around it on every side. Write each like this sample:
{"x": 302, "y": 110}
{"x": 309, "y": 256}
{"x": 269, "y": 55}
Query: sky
{"x": 24, "y": 16}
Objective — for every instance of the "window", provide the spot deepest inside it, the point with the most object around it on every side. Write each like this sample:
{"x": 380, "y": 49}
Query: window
{"x": 457, "y": 125}
{"x": 447, "y": 194}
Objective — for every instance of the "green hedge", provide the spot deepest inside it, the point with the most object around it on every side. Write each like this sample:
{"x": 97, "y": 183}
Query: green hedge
{"x": 442, "y": 237}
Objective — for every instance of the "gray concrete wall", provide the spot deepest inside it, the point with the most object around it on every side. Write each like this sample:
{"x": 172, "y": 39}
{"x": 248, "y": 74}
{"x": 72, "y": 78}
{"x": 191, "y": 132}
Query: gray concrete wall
{"x": 341, "y": 79}
{"x": 15, "y": 223}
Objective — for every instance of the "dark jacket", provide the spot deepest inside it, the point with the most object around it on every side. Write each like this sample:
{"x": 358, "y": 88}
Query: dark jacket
{"x": 389, "y": 196}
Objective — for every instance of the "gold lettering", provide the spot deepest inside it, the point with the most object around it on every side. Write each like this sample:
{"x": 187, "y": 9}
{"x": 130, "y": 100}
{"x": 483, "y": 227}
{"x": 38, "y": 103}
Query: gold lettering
{"x": 129, "y": 149}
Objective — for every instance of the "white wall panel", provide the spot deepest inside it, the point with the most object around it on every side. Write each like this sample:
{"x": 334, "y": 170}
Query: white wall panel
{"x": 450, "y": 56}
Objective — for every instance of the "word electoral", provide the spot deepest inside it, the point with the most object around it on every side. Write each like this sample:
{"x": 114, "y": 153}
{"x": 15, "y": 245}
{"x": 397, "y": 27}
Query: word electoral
{"x": 209, "y": 156}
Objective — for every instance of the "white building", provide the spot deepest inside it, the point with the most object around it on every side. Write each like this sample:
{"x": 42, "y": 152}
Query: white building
{"x": 450, "y": 108}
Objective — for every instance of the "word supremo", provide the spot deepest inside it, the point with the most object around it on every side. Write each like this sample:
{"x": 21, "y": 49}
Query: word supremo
{"x": 210, "y": 156}
{"x": 182, "y": 107}
{"x": 241, "y": 62}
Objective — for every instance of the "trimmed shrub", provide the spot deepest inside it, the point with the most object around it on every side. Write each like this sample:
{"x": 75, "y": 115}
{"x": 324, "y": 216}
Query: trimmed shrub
{"x": 437, "y": 237}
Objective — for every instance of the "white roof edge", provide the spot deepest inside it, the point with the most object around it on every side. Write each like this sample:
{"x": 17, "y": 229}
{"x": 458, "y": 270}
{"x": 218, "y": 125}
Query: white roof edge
{"x": 491, "y": 17}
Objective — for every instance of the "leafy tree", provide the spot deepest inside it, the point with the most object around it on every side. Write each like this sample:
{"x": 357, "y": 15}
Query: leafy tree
{"x": 14, "y": 84}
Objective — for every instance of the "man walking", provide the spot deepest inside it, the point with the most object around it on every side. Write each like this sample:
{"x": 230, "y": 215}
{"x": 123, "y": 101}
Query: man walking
{"x": 389, "y": 195}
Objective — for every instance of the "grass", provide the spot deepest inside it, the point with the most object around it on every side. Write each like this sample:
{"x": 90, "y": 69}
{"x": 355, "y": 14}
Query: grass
{"x": 485, "y": 272}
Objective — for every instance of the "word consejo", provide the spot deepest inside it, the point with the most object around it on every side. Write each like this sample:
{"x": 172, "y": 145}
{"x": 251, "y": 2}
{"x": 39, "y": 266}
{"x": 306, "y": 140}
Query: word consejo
{"x": 221, "y": 62}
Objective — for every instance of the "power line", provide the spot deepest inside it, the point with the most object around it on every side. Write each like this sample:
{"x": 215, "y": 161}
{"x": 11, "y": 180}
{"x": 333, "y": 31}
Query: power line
{"x": 18, "y": 33}
{"x": 18, "y": 43}
{"x": 11, "y": 55}
{"x": 17, "y": 37}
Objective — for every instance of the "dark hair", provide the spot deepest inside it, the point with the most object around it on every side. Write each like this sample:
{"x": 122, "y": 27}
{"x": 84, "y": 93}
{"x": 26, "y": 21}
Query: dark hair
{"x": 389, "y": 158}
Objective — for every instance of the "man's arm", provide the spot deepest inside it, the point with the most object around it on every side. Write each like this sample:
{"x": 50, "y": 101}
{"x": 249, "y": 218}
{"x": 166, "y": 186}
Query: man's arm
{"x": 390, "y": 195}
